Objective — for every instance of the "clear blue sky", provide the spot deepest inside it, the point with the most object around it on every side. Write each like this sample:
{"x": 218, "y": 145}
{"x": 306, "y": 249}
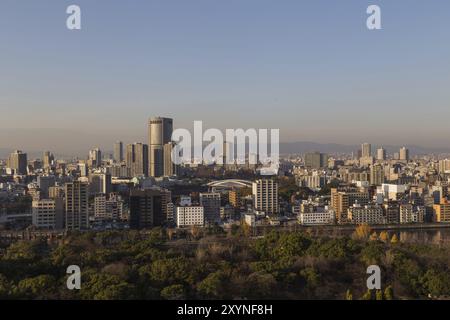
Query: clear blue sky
{"x": 310, "y": 68}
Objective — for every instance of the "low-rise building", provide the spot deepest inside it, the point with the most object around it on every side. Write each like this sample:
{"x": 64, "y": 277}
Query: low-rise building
{"x": 411, "y": 214}
{"x": 369, "y": 214}
{"x": 188, "y": 216}
{"x": 317, "y": 218}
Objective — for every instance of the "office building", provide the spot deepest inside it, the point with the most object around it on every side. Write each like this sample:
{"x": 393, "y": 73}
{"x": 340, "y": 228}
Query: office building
{"x": 118, "y": 152}
{"x": 47, "y": 160}
{"x": 159, "y": 134}
{"x": 188, "y": 216}
{"x": 381, "y": 154}
{"x": 95, "y": 158}
{"x": 404, "y": 154}
{"x": 170, "y": 166}
{"x": 17, "y": 162}
{"x": 137, "y": 159}
{"x": 316, "y": 160}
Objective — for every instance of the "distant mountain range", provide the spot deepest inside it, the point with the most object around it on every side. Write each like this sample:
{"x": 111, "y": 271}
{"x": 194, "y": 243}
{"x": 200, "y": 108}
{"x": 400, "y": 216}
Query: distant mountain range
{"x": 301, "y": 147}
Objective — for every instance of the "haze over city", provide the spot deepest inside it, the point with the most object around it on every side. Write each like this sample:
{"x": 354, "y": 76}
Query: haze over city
{"x": 237, "y": 152}
{"x": 311, "y": 69}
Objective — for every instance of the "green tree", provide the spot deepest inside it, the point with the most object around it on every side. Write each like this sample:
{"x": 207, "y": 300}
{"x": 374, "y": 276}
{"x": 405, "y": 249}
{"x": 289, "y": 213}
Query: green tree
{"x": 260, "y": 285}
{"x": 103, "y": 286}
{"x": 379, "y": 295}
{"x": 436, "y": 283}
{"x": 389, "y": 293}
{"x": 173, "y": 292}
{"x": 5, "y": 287}
{"x": 348, "y": 295}
{"x": 311, "y": 278}
{"x": 367, "y": 296}
{"x": 170, "y": 271}
{"x": 40, "y": 287}
{"x": 213, "y": 286}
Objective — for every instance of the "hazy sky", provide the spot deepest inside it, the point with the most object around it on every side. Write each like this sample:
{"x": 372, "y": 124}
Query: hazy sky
{"x": 310, "y": 68}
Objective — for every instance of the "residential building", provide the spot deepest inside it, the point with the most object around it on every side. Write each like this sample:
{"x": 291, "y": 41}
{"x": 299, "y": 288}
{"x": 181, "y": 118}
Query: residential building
{"x": 76, "y": 206}
{"x": 265, "y": 196}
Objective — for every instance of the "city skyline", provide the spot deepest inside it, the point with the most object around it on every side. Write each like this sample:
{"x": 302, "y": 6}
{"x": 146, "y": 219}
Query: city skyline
{"x": 317, "y": 75}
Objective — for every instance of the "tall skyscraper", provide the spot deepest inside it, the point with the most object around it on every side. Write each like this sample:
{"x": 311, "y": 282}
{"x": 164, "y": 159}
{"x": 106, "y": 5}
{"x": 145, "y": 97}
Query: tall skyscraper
{"x": 366, "y": 150}
{"x": 95, "y": 158}
{"x": 381, "y": 154}
{"x": 170, "y": 168}
{"x": 118, "y": 151}
{"x": 265, "y": 196}
{"x": 404, "y": 154}
{"x": 159, "y": 134}
{"x": 137, "y": 159}
{"x": 47, "y": 160}
{"x": 17, "y": 161}
{"x": 77, "y": 212}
